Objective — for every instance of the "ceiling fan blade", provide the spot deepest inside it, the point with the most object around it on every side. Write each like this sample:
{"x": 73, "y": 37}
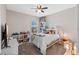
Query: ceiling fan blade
{"x": 42, "y": 11}
{"x": 45, "y": 8}
{"x": 36, "y": 10}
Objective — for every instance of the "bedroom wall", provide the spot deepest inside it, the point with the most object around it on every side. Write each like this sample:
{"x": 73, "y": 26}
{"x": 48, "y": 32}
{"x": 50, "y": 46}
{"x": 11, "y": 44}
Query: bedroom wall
{"x": 18, "y": 22}
{"x": 66, "y": 19}
{"x": 0, "y": 29}
{"x": 78, "y": 25}
{"x": 2, "y": 19}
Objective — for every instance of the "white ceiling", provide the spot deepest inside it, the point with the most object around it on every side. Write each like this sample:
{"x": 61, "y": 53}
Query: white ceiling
{"x": 26, "y": 8}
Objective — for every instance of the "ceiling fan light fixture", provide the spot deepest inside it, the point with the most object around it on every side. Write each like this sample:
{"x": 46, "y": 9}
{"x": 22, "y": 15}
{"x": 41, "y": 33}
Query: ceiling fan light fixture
{"x": 40, "y": 8}
{"x": 39, "y": 11}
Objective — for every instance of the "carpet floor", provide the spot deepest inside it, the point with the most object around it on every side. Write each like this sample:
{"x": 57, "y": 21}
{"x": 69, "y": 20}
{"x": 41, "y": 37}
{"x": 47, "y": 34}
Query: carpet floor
{"x": 31, "y": 49}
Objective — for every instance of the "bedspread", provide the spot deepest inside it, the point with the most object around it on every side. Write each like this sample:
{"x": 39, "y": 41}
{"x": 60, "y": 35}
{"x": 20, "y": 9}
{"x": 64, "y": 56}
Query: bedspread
{"x": 41, "y": 41}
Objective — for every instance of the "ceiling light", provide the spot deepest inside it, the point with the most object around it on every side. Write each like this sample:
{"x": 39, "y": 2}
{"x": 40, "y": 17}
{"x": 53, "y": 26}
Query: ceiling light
{"x": 39, "y": 11}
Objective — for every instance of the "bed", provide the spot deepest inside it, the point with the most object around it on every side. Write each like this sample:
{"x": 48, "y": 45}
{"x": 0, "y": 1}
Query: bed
{"x": 42, "y": 40}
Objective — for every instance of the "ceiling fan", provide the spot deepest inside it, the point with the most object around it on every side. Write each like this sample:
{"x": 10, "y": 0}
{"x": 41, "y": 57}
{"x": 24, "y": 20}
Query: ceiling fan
{"x": 40, "y": 8}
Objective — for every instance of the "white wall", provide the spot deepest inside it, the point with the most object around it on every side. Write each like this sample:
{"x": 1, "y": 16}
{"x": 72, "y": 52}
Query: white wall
{"x": 2, "y": 19}
{"x": 3, "y": 14}
{"x": 67, "y": 19}
{"x": 0, "y": 29}
{"x": 18, "y": 22}
{"x": 78, "y": 25}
